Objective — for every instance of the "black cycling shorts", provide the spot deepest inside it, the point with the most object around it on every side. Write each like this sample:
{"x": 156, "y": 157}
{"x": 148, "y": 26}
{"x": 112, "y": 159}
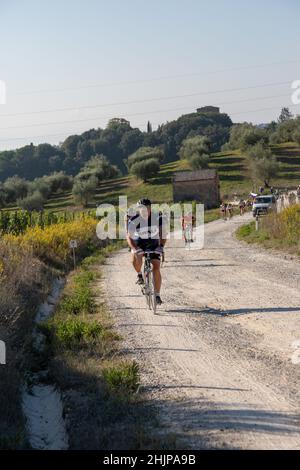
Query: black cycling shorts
{"x": 145, "y": 245}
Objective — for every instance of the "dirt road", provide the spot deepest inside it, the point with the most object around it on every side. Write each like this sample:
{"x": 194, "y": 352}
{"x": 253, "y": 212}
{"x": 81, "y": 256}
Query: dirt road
{"x": 218, "y": 360}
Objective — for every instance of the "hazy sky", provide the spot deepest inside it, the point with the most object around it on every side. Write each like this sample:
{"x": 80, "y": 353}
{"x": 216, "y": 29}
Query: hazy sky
{"x": 105, "y": 59}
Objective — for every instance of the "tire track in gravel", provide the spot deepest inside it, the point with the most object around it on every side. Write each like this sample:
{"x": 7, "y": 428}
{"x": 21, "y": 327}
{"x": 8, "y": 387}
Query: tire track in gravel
{"x": 216, "y": 360}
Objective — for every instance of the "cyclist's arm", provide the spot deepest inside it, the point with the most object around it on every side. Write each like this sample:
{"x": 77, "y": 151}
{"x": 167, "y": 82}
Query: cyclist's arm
{"x": 162, "y": 241}
{"x": 162, "y": 232}
{"x": 132, "y": 244}
{"x": 130, "y": 234}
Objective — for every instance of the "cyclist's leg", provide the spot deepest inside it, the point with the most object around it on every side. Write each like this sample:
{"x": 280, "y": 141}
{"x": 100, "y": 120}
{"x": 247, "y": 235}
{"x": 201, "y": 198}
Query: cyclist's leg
{"x": 156, "y": 275}
{"x": 137, "y": 261}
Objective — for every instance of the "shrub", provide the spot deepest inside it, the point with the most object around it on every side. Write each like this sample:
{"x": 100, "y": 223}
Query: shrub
{"x": 246, "y": 135}
{"x": 264, "y": 169}
{"x": 97, "y": 167}
{"x": 296, "y": 135}
{"x": 52, "y": 243}
{"x": 22, "y": 280}
{"x": 83, "y": 190}
{"x": 145, "y": 153}
{"x": 253, "y": 137}
{"x": 33, "y": 202}
{"x": 40, "y": 185}
{"x": 59, "y": 181}
{"x": 277, "y": 230}
{"x": 122, "y": 378}
{"x": 245, "y": 230}
{"x": 258, "y": 151}
{"x": 145, "y": 169}
{"x": 194, "y": 146}
{"x": 15, "y": 188}
{"x": 285, "y": 131}
{"x": 70, "y": 333}
{"x": 80, "y": 299}
{"x": 197, "y": 162}
{"x": 290, "y": 220}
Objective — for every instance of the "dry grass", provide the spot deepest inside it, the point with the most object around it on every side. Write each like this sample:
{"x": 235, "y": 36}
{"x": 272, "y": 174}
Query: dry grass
{"x": 99, "y": 383}
{"x": 24, "y": 281}
{"x": 277, "y": 231}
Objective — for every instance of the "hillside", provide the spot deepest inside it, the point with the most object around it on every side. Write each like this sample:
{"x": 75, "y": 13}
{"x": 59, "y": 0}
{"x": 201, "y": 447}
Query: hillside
{"x": 233, "y": 173}
{"x": 117, "y": 142}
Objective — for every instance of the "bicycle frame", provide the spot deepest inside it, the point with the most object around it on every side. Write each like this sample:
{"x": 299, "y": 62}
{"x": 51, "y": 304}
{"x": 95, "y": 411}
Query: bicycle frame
{"x": 148, "y": 288}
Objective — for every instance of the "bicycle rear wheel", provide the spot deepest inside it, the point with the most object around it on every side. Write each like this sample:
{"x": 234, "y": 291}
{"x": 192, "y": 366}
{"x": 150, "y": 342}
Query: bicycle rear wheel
{"x": 152, "y": 294}
{"x": 153, "y": 301}
{"x": 148, "y": 300}
{"x": 147, "y": 289}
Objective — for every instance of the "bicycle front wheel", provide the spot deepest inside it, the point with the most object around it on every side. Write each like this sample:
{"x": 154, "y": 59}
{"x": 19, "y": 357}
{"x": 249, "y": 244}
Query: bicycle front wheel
{"x": 147, "y": 289}
{"x": 153, "y": 302}
{"x": 153, "y": 298}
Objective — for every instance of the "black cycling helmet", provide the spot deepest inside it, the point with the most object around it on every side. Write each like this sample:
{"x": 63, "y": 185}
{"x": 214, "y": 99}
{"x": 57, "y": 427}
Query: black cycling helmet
{"x": 144, "y": 202}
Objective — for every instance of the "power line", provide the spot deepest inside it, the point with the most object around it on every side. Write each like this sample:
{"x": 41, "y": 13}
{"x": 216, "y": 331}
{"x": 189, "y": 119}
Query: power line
{"x": 72, "y": 132}
{"x": 148, "y": 100}
{"x": 34, "y": 136}
{"x": 154, "y": 79}
{"x": 258, "y": 110}
{"x": 134, "y": 114}
{"x": 50, "y": 135}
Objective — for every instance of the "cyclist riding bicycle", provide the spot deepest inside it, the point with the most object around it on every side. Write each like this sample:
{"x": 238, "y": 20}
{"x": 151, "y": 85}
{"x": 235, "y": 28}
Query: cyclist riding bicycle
{"x": 230, "y": 210}
{"x": 223, "y": 210}
{"x": 146, "y": 232}
{"x": 187, "y": 223}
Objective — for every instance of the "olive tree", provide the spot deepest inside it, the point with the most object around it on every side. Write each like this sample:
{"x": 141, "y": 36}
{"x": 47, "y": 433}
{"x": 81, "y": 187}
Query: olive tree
{"x": 145, "y": 169}
{"x": 83, "y": 190}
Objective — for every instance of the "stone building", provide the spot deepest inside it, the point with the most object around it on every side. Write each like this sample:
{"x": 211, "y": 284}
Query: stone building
{"x": 208, "y": 109}
{"x": 201, "y": 185}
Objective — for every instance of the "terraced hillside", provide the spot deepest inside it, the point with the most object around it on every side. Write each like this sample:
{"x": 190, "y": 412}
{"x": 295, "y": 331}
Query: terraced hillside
{"x": 233, "y": 173}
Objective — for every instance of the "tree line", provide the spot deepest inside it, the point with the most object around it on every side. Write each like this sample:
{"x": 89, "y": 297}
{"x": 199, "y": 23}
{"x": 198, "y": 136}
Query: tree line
{"x": 117, "y": 142}
{"x": 257, "y": 143}
{"x": 82, "y": 161}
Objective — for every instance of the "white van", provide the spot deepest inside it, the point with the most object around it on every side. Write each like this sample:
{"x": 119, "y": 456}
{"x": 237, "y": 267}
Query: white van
{"x": 263, "y": 204}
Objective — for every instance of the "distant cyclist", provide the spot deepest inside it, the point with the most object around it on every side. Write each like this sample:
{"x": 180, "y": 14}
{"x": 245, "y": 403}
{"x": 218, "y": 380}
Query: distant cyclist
{"x": 223, "y": 208}
{"x": 230, "y": 210}
{"x": 187, "y": 224}
{"x": 146, "y": 231}
{"x": 242, "y": 206}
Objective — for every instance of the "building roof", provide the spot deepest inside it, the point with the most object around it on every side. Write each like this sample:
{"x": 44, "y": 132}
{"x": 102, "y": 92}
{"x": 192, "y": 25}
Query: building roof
{"x": 197, "y": 175}
{"x": 208, "y": 109}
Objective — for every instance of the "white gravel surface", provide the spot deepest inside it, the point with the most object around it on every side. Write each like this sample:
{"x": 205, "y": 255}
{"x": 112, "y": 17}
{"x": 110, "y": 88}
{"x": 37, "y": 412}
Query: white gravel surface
{"x": 217, "y": 359}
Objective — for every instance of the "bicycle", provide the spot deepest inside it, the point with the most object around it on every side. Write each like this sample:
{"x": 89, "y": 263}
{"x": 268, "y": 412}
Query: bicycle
{"x": 148, "y": 287}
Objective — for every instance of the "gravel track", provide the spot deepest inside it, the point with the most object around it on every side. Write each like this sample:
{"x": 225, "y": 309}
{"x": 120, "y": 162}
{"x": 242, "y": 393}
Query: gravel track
{"x": 217, "y": 359}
